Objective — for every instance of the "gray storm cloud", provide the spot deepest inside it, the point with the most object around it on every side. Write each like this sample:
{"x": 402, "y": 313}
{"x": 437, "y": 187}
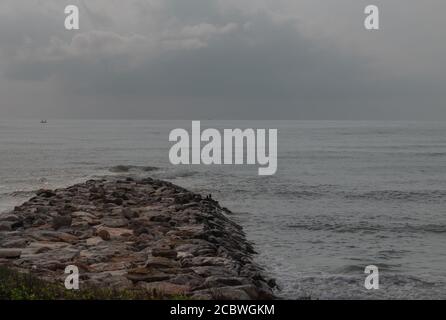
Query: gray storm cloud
{"x": 222, "y": 59}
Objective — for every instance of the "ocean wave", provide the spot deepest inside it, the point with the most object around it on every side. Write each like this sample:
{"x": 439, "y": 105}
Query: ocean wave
{"x": 18, "y": 194}
{"x": 392, "y": 254}
{"x": 131, "y": 168}
{"x": 305, "y": 191}
{"x": 21, "y": 193}
{"x": 367, "y": 227}
{"x": 175, "y": 174}
{"x": 335, "y": 227}
{"x": 382, "y": 195}
{"x": 433, "y": 154}
{"x": 358, "y": 268}
{"x": 319, "y": 191}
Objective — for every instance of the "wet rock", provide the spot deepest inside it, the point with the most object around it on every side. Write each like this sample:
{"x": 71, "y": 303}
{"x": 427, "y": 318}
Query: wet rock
{"x": 159, "y": 262}
{"x": 61, "y": 221}
{"x": 94, "y": 241}
{"x": 189, "y": 279}
{"x": 129, "y": 214}
{"x": 116, "y": 232}
{"x": 117, "y": 201}
{"x": 115, "y": 222}
{"x": 17, "y": 224}
{"x": 208, "y": 271}
{"x": 166, "y": 253}
{"x": 205, "y": 261}
{"x": 66, "y": 237}
{"x": 216, "y": 281}
{"x": 6, "y": 226}
{"x": 83, "y": 215}
{"x": 10, "y": 253}
{"x": 9, "y": 217}
{"x": 17, "y": 243}
{"x": 147, "y": 275}
{"x": 160, "y": 218}
{"x": 45, "y": 193}
{"x": 141, "y": 230}
{"x": 104, "y": 234}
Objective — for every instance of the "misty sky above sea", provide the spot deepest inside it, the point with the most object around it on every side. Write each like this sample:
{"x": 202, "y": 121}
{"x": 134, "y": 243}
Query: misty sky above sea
{"x": 223, "y": 59}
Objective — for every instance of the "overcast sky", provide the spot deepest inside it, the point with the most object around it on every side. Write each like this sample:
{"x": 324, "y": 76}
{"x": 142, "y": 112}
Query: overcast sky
{"x": 223, "y": 59}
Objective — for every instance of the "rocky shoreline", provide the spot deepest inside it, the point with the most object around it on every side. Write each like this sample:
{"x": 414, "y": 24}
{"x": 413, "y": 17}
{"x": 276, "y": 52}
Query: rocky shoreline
{"x": 135, "y": 234}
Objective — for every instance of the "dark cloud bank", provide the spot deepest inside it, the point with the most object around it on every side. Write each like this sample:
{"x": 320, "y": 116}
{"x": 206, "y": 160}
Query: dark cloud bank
{"x": 169, "y": 59}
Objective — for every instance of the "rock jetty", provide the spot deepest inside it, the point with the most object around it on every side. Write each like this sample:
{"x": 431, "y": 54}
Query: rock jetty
{"x": 134, "y": 234}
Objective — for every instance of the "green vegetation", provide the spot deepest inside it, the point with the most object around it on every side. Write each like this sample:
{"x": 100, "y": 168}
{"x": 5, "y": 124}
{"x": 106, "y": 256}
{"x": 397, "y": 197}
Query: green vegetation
{"x": 20, "y": 286}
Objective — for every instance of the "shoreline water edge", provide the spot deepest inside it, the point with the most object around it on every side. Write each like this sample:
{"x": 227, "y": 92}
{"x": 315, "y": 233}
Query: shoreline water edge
{"x": 127, "y": 233}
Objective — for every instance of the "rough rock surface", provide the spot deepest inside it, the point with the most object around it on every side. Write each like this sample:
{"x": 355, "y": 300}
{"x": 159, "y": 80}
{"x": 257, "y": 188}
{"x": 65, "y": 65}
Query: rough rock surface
{"x": 137, "y": 234}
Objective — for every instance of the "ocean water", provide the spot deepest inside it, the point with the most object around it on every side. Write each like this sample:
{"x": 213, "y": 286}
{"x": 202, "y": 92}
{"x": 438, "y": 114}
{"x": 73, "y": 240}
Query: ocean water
{"x": 346, "y": 194}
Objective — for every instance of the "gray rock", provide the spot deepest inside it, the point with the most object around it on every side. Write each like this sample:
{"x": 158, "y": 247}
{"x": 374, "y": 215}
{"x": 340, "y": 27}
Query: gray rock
{"x": 208, "y": 271}
{"x": 205, "y": 261}
{"x": 6, "y": 226}
{"x": 45, "y": 193}
{"x": 9, "y": 217}
{"x": 129, "y": 214}
{"x": 115, "y": 222}
{"x": 104, "y": 235}
{"x": 61, "y": 221}
{"x": 159, "y": 262}
{"x": 188, "y": 279}
{"x": 217, "y": 281}
{"x": 173, "y": 241}
{"x": 17, "y": 243}
{"x": 10, "y": 253}
{"x": 160, "y": 218}
{"x": 231, "y": 293}
{"x": 166, "y": 253}
{"x": 148, "y": 277}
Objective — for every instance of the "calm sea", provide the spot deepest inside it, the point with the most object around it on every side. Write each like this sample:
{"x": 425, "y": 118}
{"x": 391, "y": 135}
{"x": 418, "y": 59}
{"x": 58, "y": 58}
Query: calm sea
{"x": 346, "y": 194}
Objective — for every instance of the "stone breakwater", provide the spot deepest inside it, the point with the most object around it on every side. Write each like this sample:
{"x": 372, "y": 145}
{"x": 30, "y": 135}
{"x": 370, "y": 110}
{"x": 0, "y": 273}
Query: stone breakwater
{"x": 134, "y": 234}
